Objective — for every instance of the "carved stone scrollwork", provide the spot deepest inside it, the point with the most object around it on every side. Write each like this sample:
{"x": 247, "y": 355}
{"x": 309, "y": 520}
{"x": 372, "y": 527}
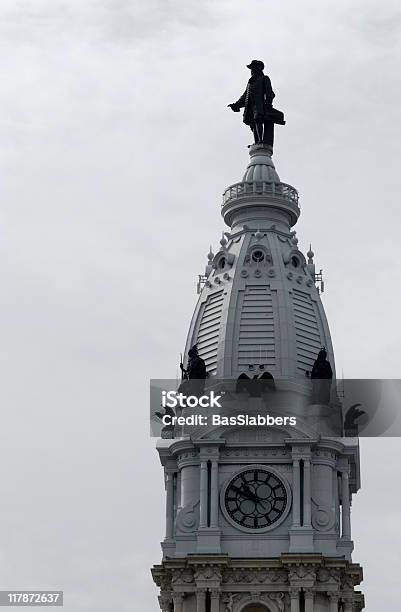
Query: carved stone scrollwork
{"x": 254, "y": 576}
{"x": 279, "y": 576}
{"x": 208, "y": 572}
{"x": 324, "y": 574}
{"x": 182, "y": 576}
{"x": 302, "y": 572}
{"x": 279, "y": 599}
{"x": 323, "y": 517}
{"x": 188, "y": 518}
{"x": 348, "y": 582}
{"x": 164, "y": 582}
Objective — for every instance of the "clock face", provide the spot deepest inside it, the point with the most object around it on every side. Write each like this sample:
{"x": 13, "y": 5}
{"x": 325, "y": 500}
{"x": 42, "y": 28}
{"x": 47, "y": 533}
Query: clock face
{"x": 255, "y": 498}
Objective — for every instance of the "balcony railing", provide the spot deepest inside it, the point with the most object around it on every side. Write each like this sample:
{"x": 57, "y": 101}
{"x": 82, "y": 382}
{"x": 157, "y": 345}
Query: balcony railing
{"x": 261, "y": 188}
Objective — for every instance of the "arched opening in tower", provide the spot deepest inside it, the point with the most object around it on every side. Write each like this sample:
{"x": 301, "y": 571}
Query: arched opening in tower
{"x": 256, "y": 608}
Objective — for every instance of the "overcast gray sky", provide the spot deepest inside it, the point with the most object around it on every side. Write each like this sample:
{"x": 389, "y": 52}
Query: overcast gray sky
{"x": 115, "y": 147}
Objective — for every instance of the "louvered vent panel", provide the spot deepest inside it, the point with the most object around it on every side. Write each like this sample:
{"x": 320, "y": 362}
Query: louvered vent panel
{"x": 209, "y": 329}
{"x": 308, "y": 337}
{"x": 256, "y": 342}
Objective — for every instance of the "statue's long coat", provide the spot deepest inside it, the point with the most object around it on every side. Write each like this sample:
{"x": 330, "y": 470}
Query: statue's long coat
{"x": 256, "y": 99}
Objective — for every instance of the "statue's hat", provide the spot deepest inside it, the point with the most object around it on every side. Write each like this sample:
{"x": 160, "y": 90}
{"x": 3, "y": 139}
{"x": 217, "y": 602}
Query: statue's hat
{"x": 256, "y": 64}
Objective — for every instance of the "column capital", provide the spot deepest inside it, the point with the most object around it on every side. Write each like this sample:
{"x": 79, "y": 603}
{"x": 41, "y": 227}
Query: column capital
{"x": 178, "y": 597}
{"x": 209, "y": 453}
{"x": 214, "y": 600}
{"x": 301, "y": 452}
{"x": 309, "y": 593}
{"x": 294, "y": 592}
{"x": 333, "y": 596}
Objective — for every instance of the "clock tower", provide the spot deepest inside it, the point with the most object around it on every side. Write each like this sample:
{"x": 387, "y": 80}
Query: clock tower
{"x": 258, "y": 517}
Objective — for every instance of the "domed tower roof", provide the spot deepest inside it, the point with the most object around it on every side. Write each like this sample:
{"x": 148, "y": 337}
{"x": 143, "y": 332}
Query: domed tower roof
{"x": 259, "y": 309}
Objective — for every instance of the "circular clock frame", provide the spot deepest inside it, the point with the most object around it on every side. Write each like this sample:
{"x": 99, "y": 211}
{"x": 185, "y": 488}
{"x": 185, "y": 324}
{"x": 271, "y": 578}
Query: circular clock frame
{"x": 264, "y": 468}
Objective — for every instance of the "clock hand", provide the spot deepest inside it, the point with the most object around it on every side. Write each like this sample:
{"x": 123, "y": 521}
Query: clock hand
{"x": 252, "y": 495}
{"x": 245, "y": 493}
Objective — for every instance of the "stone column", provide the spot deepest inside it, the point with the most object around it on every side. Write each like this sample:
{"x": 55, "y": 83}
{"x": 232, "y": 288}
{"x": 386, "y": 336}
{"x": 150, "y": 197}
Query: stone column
{"x": 178, "y": 489}
{"x": 215, "y": 600}
{"x": 294, "y": 594}
{"x": 333, "y": 598}
{"x": 346, "y": 506}
{"x": 203, "y": 494}
{"x": 201, "y": 600}
{"x": 307, "y": 493}
{"x": 309, "y": 600}
{"x": 169, "y": 505}
{"x": 296, "y": 514}
{"x": 214, "y": 490}
{"x": 347, "y": 602}
{"x": 178, "y": 599}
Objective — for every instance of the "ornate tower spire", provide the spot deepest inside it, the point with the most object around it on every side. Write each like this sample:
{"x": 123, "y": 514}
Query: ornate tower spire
{"x": 260, "y": 308}
{"x": 258, "y": 518}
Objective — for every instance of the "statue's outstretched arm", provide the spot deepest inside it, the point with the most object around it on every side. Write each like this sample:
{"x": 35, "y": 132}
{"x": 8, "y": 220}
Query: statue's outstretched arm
{"x": 235, "y": 106}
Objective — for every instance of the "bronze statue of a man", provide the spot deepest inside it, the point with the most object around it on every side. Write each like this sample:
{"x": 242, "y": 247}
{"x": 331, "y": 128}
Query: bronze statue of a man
{"x": 257, "y": 102}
